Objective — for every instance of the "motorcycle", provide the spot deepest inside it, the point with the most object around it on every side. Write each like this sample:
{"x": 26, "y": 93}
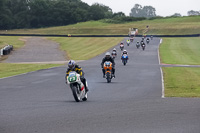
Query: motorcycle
{"x": 77, "y": 87}
{"x": 114, "y": 54}
{"x": 131, "y": 39}
{"x": 128, "y": 43}
{"x": 147, "y": 41}
{"x": 151, "y": 37}
{"x": 124, "y": 59}
{"x": 137, "y": 45}
{"x": 121, "y": 46}
{"x": 143, "y": 46}
{"x": 108, "y": 71}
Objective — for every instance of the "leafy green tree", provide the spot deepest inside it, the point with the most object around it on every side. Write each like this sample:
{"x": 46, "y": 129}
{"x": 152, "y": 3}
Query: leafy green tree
{"x": 176, "y": 15}
{"x": 193, "y": 13}
{"x": 146, "y": 11}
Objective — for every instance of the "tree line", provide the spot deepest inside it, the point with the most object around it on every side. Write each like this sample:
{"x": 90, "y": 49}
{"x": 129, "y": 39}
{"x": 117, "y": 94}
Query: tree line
{"x": 17, "y": 14}
{"x": 45, "y": 13}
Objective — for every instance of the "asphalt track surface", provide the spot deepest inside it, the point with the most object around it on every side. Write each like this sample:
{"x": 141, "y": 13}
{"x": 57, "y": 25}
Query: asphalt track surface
{"x": 41, "y": 102}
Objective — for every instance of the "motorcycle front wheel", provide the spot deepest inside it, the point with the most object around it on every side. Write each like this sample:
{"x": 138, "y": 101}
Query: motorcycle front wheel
{"x": 76, "y": 94}
{"x": 108, "y": 77}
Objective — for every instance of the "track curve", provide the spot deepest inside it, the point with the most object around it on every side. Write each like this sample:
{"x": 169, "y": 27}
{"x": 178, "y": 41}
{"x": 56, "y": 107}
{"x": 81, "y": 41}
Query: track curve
{"x": 41, "y": 101}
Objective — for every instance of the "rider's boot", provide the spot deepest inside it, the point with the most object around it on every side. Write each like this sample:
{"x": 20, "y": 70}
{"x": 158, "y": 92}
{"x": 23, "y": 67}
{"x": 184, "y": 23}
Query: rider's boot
{"x": 103, "y": 73}
{"x": 84, "y": 83}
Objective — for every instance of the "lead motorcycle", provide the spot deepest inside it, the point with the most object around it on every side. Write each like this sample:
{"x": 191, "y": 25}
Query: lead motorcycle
{"x": 124, "y": 59}
{"x": 108, "y": 71}
{"x": 77, "y": 87}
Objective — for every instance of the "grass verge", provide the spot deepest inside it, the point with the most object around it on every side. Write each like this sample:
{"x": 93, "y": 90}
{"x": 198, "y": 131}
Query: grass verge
{"x": 181, "y": 81}
{"x": 11, "y": 69}
{"x": 180, "y": 51}
{"x": 85, "y": 48}
{"x": 16, "y": 41}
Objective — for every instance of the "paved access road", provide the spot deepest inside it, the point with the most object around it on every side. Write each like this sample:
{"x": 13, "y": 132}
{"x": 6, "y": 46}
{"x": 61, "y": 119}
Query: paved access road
{"x": 41, "y": 102}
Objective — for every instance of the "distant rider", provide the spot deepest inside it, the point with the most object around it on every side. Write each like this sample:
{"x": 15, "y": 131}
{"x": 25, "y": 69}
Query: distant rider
{"x": 108, "y": 58}
{"x": 114, "y": 52}
{"x": 125, "y": 53}
{"x": 72, "y": 66}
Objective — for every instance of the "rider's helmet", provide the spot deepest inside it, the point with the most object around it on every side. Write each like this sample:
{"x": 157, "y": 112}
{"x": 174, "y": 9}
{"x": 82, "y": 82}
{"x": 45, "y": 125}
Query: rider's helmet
{"x": 114, "y": 49}
{"x": 137, "y": 41}
{"x": 108, "y": 55}
{"x": 124, "y": 50}
{"x": 71, "y": 64}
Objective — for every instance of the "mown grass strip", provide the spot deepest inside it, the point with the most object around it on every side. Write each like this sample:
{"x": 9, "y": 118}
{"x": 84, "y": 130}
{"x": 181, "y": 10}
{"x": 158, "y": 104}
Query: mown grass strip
{"x": 181, "y": 81}
{"x": 11, "y": 69}
{"x": 16, "y": 41}
{"x": 180, "y": 51}
{"x": 86, "y": 48}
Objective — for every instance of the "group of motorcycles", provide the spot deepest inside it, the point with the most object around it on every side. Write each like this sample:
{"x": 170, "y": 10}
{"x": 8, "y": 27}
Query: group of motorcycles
{"x": 142, "y": 42}
{"x": 77, "y": 87}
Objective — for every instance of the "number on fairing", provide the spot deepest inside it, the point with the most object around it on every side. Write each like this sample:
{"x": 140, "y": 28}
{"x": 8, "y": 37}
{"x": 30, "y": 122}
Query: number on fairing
{"x": 72, "y": 79}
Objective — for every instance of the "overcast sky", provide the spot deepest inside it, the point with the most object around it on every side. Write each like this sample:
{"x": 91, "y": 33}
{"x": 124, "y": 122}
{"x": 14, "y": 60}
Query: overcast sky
{"x": 163, "y": 7}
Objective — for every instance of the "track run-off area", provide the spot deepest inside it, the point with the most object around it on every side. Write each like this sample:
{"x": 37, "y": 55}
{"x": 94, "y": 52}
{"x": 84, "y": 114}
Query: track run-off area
{"x": 41, "y": 102}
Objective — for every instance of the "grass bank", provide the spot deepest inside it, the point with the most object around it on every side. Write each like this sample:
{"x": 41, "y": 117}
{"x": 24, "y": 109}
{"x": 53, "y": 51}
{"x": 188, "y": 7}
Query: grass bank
{"x": 10, "y": 69}
{"x": 181, "y": 81}
{"x": 164, "y": 26}
{"x": 85, "y": 48}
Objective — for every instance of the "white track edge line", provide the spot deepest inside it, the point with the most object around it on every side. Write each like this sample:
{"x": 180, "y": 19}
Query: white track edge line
{"x": 162, "y": 79}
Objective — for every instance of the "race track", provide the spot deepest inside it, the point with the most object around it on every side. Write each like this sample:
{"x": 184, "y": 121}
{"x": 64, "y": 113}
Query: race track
{"x": 41, "y": 102}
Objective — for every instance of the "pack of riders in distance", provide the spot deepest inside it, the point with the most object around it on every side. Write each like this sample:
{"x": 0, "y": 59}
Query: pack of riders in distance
{"x": 75, "y": 75}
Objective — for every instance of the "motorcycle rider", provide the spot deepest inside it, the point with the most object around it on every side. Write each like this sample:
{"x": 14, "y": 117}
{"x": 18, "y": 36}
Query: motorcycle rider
{"x": 143, "y": 44}
{"x": 151, "y": 37}
{"x": 108, "y": 58}
{"x": 138, "y": 43}
{"x": 72, "y": 66}
{"x": 124, "y": 52}
{"x": 128, "y": 41}
{"x": 114, "y": 51}
{"x": 148, "y": 39}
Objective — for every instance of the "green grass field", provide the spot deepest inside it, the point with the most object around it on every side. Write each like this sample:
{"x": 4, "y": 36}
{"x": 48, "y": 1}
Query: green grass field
{"x": 10, "y": 69}
{"x": 86, "y": 48}
{"x": 180, "y": 51}
{"x": 17, "y": 42}
{"x": 172, "y": 26}
{"x": 76, "y": 48}
{"x": 181, "y": 81}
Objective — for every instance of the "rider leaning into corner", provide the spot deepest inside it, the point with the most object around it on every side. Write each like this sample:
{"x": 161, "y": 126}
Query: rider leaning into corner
{"x": 72, "y": 66}
{"x": 108, "y": 58}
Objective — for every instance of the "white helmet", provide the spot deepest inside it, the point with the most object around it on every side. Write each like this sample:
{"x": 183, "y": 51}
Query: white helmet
{"x": 124, "y": 50}
{"x": 71, "y": 64}
{"x": 114, "y": 49}
{"x": 107, "y": 54}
